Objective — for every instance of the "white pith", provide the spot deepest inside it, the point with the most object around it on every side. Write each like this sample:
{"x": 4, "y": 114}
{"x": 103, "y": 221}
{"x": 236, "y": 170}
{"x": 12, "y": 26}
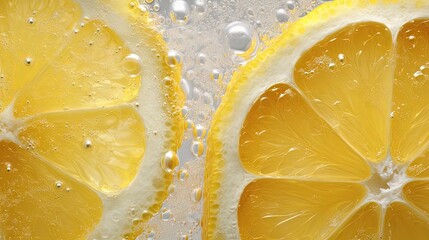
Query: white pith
{"x": 270, "y": 72}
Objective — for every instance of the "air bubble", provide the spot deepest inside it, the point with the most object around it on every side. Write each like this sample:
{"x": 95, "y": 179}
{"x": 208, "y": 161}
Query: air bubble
{"x": 87, "y": 144}
{"x": 197, "y": 194}
{"x": 28, "y": 61}
{"x": 8, "y": 167}
{"x": 156, "y": 7}
{"x": 132, "y": 65}
{"x": 290, "y": 5}
{"x": 242, "y": 41}
{"x": 183, "y": 237}
{"x": 281, "y": 15}
{"x": 331, "y": 66}
{"x": 216, "y": 75}
{"x": 341, "y": 58}
{"x": 185, "y": 111}
{"x": 31, "y": 20}
{"x": 166, "y": 215}
{"x": 197, "y": 148}
{"x": 183, "y": 174}
{"x": 199, "y": 131}
{"x": 170, "y": 161}
{"x": 174, "y": 58}
{"x": 179, "y": 11}
{"x": 58, "y": 184}
{"x": 200, "y": 6}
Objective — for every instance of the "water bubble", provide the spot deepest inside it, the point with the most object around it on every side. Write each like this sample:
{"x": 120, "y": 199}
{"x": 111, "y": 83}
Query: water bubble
{"x": 179, "y": 11}
{"x": 199, "y": 131}
{"x": 242, "y": 40}
{"x": 166, "y": 214}
{"x": 58, "y": 184}
{"x": 197, "y": 148}
{"x": 170, "y": 161}
{"x": 31, "y": 20}
{"x": 8, "y": 167}
{"x": 28, "y": 61}
{"x": 87, "y": 144}
{"x": 156, "y": 7}
{"x": 184, "y": 84}
{"x": 185, "y": 111}
{"x": 290, "y": 4}
{"x": 182, "y": 175}
{"x": 216, "y": 75}
{"x": 200, "y": 6}
{"x": 197, "y": 194}
{"x": 341, "y": 58}
{"x": 183, "y": 237}
{"x": 132, "y": 65}
{"x": 281, "y": 15}
{"x": 174, "y": 58}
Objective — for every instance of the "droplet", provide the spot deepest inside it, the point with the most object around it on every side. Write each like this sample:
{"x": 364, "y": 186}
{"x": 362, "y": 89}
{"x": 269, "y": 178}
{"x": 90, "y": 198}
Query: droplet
{"x": 242, "y": 41}
{"x": 8, "y": 167}
{"x": 281, "y": 15}
{"x": 179, "y": 11}
{"x": 197, "y": 194}
{"x": 31, "y": 20}
{"x": 156, "y": 7}
{"x": 185, "y": 111}
{"x": 290, "y": 4}
{"x": 87, "y": 144}
{"x": 341, "y": 58}
{"x": 199, "y": 131}
{"x": 166, "y": 215}
{"x": 174, "y": 58}
{"x": 183, "y": 237}
{"x": 200, "y": 6}
{"x": 28, "y": 61}
{"x": 197, "y": 148}
{"x": 58, "y": 184}
{"x": 167, "y": 81}
{"x": 183, "y": 174}
{"x": 216, "y": 75}
{"x": 146, "y": 215}
{"x": 331, "y": 66}
{"x": 170, "y": 161}
{"x": 132, "y": 65}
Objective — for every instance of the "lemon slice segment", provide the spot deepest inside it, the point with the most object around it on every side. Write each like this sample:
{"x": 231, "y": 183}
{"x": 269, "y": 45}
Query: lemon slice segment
{"x": 92, "y": 109}
{"x": 95, "y": 69}
{"x": 403, "y": 222}
{"x": 270, "y": 208}
{"x": 274, "y": 141}
{"x": 33, "y": 193}
{"x": 26, "y": 31}
{"x": 348, "y": 79}
{"x": 101, "y": 147}
{"x": 410, "y": 121}
{"x": 364, "y": 224}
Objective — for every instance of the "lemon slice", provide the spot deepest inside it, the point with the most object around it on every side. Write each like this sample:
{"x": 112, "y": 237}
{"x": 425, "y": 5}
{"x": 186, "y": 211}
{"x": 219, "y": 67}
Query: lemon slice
{"x": 324, "y": 135}
{"x": 89, "y": 119}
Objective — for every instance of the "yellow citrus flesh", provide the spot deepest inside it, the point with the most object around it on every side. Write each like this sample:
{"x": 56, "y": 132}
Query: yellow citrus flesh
{"x": 34, "y": 196}
{"x": 347, "y": 78}
{"x": 298, "y": 209}
{"x": 411, "y": 84}
{"x": 275, "y": 141}
{"x": 75, "y": 119}
{"x": 340, "y": 150}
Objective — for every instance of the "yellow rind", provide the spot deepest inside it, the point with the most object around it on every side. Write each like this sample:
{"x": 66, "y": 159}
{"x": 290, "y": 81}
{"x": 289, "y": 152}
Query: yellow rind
{"x": 215, "y": 160}
{"x": 173, "y": 100}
